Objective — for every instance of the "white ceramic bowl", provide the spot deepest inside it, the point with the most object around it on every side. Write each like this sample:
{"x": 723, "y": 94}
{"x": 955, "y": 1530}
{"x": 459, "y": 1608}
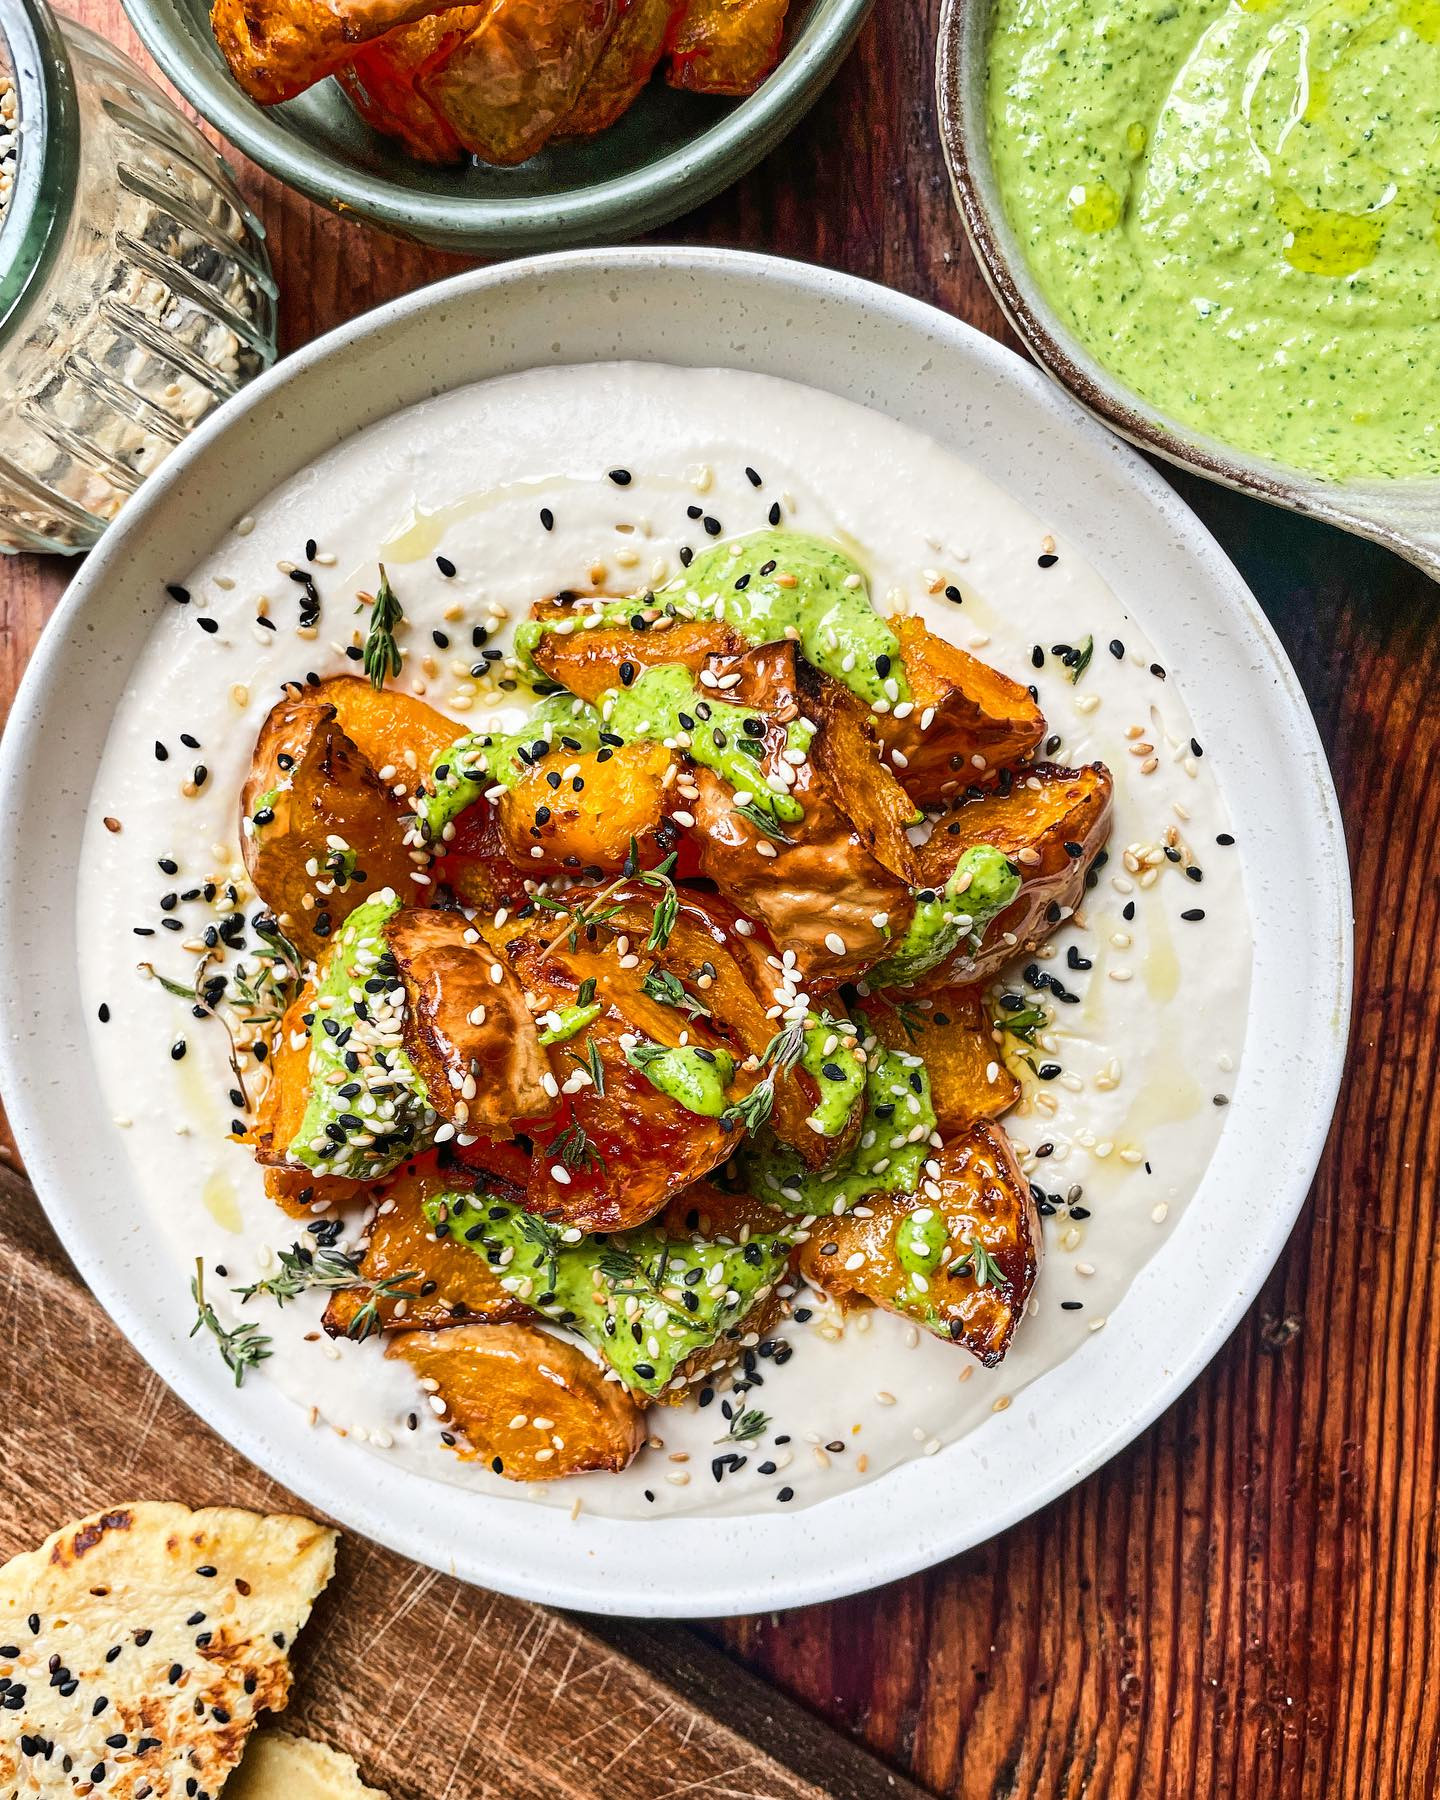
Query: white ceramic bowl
{"x": 704, "y": 307}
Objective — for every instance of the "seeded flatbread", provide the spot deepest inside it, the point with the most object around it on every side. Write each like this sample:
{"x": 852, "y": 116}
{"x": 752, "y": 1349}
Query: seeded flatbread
{"x": 277, "y": 1766}
{"x": 137, "y": 1647}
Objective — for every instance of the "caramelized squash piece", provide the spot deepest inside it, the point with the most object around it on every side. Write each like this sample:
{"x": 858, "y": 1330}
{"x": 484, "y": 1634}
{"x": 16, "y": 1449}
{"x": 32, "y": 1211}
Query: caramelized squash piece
{"x": 626, "y": 64}
{"x": 962, "y": 1260}
{"x": 822, "y": 886}
{"x": 726, "y": 46}
{"x": 622, "y": 1152}
{"x": 391, "y": 729}
{"x": 846, "y": 751}
{"x": 471, "y": 1038}
{"x": 425, "y": 1282}
{"x": 1051, "y": 823}
{"x": 476, "y": 868}
{"x": 497, "y": 1381}
{"x": 278, "y": 48}
{"x": 309, "y": 784}
{"x": 383, "y": 83}
{"x": 606, "y": 800}
{"x": 278, "y": 1116}
{"x": 515, "y": 76}
{"x": 972, "y": 710}
{"x": 590, "y": 662}
{"x": 950, "y": 1031}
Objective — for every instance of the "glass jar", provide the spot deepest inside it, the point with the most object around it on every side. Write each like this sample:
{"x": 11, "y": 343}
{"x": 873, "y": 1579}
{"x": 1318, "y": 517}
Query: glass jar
{"x": 135, "y": 291}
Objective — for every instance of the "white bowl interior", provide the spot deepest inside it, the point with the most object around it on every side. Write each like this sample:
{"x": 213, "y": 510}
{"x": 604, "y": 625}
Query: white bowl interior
{"x": 873, "y": 346}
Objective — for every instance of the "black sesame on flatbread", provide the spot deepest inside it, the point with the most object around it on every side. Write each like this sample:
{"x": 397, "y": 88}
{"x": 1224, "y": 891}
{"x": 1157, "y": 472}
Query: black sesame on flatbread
{"x": 138, "y": 1646}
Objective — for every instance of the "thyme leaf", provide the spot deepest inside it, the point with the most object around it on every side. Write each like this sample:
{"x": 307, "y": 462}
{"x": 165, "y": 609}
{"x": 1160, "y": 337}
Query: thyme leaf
{"x": 382, "y": 655}
{"x": 301, "y": 1269}
{"x": 241, "y": 1346}
{"x": 746, "y": 1426}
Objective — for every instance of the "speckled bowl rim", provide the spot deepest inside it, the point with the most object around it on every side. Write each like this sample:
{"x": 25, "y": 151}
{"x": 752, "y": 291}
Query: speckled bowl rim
{"x": 882, "y": 349}
{"x": 621, "y": 206}
{"x": 1402, "y": 515}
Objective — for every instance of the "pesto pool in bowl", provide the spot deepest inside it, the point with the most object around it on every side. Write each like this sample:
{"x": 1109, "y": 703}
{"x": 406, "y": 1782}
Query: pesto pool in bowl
{"x": 1216, "y": 222}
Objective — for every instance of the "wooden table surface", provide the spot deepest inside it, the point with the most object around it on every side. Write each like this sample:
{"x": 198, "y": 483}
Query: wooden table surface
{"x": 1245, "y": 1602}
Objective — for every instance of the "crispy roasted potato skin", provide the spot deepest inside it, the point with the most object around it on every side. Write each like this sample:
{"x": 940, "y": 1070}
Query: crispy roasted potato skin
{"x": 591, "y": 825}
{"x": 1050, "y": 814}
{"x": 823, "y": 881}
{"x": 973, "y": 710}
{"x": 382, "y": 83}
{"x": 323, "y": 787}
{"x": 278, "y": 48}
{"x": 490, "y": 1376}
{"x": 626, "y": 64}
{"x": 951, "y": 1029}
{"x": 463, "y": 1028}
{"x": 725, "y": 46}
{"x": 984, "y": 1198}
{"x": 444, "y": 1283}
{"x": 651, "y": 1145}
{"x": 589, "y": 663}
{"x": 515, "y": 76}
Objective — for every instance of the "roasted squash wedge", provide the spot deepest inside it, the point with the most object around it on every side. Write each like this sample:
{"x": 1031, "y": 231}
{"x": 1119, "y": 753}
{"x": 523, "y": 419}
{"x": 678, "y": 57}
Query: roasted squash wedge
{"x": 278, "y": 48}
{"x": 726, "y": 46}
{"x": 468, "y": 1030}
{"x": 613, "y": 1150}
{"x": 282, "y": 1107}
{"x": 532, "y": 1406}
{"x": 588, "y": 811}
{"x": 1051, "y": 823}
{"x": 416, "y": 1280}
{"x": 814, "y": 884}
{"x": 950, "y": 1031}
{"x": 516, "y": 75}
{"x": 397, "y": 733}
{"x": 962, "y": 710}
{"x": 626, "y": 64}
{"x": 590, "y": 661}
{"x": 961, "y": 1258}
{"x": 319, "y": 830}
{"x": 383, "y": 83}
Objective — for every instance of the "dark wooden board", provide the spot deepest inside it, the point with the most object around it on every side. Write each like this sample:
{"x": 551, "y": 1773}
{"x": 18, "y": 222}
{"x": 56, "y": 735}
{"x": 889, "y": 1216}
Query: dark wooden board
{"x": 1245, "y": 1603}
{"x": 438, "y": 1690}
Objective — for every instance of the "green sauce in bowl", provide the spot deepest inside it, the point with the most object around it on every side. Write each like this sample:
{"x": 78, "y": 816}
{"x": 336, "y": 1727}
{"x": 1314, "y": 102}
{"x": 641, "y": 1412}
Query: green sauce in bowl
{"x": 1236, "y": 209}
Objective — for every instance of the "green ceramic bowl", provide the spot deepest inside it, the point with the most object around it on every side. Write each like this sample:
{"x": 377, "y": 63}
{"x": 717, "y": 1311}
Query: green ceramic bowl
{"x": 670, "y": 151}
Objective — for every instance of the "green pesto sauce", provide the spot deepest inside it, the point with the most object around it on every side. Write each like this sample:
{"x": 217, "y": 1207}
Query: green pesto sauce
{"x": 1235, "y": 204}
{"x": 838, "y": 1072}
{"x": 367, "y": 1107}
{"x": 693, "y": 1076}
{"x": 647, "y": 1302}
{"x": 894, "y": 1142}
{"x": 461, "y": 773}
{"x": 828, "y": 609}
{"x": 570, "y": 1020}
{"x": 664, "y": 704}
{"x": 981, "y": 886}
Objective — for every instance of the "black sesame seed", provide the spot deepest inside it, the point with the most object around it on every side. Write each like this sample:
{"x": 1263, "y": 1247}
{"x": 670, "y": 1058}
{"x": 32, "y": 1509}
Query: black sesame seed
{"x": 1071, "y": 1305}
{"x": 621, "y": 477}
{"x": 712, "y": 525}
{"x": 180, "y": 595}
{"x": 751, "y": 476}
{"x": 774, "y": 513}
{"x": 1117, "y": 649}
{"x": 1037, "y": 657}
{"x": 694, "y": 512}
{"x": 190, "y": 743}
{"x": 445, "y": 566}
{"x": 177, "y": 1050}
{"x": 209, "y": 625}
{"x": 786, "y": 1493}
{"x": 953, "y": 593}
{"x": 439, "y": 639}
{"x": 1128, "y": 912}
{"x": 1193, "y": 873}
{"x": 1193, "y": 914}
{"x": 104, "y": 1017}
{"x": 1224, "y": 838}
{"x": 161, "y": 753}
{"x": 1048, "y": 560}
{"x": 687, "y": 556}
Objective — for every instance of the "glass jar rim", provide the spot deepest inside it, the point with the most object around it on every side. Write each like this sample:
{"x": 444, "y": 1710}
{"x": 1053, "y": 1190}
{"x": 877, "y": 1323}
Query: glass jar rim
{"x": 33, "y": 53}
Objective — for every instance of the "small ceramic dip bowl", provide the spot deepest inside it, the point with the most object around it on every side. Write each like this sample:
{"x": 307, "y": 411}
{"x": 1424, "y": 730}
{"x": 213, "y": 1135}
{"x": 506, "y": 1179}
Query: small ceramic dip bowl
{"x": 1404, "y": 515}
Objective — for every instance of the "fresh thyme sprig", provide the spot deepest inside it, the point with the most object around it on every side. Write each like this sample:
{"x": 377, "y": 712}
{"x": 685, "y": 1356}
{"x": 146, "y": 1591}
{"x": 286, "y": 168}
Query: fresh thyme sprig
{"x": 669, "y": 990}
{"x": 763, "y": 823}
{"x": 746, "y": 1426}
{"x": 1024, "y": 1023}
{"x": 302, "y": 1269}
{"x": 382, "y": 654}
{"x": 367, "y": 1319}
{"x": 1078, "y": 660}
{"x": 592, "y": 1063}
{"x": 978, "y": 1262}
{"x": 754, "y": 1110}
{"x": 546, "y": 1239}
{"x": 575, "y": 1148}
{"x": 242, "y": 1346}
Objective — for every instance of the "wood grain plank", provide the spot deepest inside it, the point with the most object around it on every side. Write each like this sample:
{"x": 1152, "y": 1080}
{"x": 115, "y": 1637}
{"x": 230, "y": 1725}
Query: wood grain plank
{"x": 440, "y": 1691}
{"x": 1245, "y": 1602}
